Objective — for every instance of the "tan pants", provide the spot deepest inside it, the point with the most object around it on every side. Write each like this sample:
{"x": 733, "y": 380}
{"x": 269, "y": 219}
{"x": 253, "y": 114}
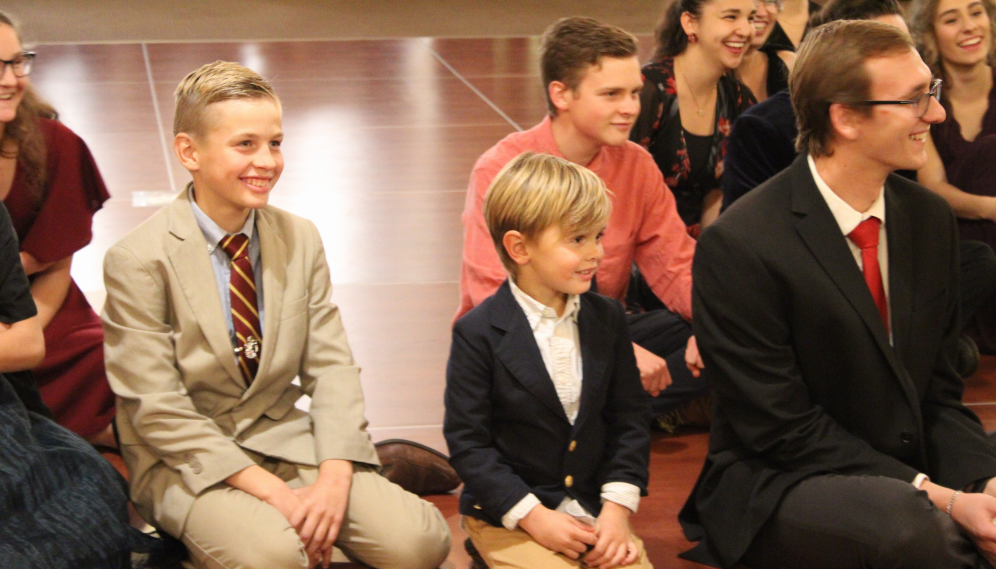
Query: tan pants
{"x": 516, "y": 549}
{"x": 384, "y": 527}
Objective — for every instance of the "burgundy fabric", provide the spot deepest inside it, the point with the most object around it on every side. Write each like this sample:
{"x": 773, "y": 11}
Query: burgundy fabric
{"x": 865, "y": 236}
{"x": 245, "y": 316}
{"x": 71, "y": 379}
{"x": 971, "y": 167}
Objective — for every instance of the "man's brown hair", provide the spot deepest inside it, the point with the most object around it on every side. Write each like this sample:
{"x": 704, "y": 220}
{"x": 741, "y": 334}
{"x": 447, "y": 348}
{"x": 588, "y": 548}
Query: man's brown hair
{"x": 830, "y": 69}
{"x": 214, "y": 83}
{"x": 571, "y": 45}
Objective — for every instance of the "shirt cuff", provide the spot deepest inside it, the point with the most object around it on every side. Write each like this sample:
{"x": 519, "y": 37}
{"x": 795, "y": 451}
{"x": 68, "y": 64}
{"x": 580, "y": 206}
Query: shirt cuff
{"x": 919, "y": 480}
{"x": 623, "y": 493}
{"x": 511, "y": 518}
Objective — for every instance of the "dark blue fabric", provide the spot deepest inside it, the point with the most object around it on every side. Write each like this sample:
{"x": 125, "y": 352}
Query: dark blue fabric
{"x": 62, "y": 505}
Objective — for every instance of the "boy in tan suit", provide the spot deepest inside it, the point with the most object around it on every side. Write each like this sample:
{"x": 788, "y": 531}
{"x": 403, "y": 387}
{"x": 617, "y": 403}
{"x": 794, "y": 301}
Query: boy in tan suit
{"x": 214, "y": 306}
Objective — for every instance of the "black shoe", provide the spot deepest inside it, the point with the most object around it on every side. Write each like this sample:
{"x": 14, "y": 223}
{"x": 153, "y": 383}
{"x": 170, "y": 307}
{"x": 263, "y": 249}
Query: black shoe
{"x": 966, "y": 360}
{"x": 476, "y": 561}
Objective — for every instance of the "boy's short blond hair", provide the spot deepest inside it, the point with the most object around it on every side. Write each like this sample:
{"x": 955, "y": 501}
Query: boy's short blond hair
{"x": 214, "y": 83}
{"x": 535, "y": 191}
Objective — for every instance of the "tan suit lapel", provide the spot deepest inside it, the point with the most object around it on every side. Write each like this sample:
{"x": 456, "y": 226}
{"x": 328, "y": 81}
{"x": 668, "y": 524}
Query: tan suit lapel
{"x": 195, "y": 274}
{"x": 273, "y": 256}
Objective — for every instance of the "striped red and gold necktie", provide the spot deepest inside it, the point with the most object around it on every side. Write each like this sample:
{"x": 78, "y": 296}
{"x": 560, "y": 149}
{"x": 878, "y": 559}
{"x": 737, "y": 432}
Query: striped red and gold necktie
{"x": 245, "y": 316}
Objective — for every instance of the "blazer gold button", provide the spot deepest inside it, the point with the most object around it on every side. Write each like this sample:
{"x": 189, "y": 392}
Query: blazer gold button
{"x": 569, "y": 481}
{"x": 574, "y": 445}
{"x": 476, "y": 507}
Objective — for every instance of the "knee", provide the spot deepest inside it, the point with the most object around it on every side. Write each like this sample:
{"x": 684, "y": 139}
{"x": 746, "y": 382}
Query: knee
{"x": 915, "y": 533}
{"x": 421, "y": 548}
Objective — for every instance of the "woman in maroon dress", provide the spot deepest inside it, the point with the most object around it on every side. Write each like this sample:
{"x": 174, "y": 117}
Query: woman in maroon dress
{"x": 956, "y": 39}
{"x": 51, "y": 186}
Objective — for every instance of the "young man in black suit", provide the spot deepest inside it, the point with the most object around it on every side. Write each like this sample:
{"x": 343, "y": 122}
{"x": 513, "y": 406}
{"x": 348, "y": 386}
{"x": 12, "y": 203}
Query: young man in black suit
{"x": 826, "y": 306}
{"x": 762, "y": 144}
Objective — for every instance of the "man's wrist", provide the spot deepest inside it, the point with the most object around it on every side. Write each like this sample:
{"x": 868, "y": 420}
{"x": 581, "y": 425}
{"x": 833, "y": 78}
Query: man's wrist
{"x": 335, "y": 471}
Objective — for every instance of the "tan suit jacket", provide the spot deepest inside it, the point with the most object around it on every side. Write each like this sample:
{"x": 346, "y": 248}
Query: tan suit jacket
{"x": 184, "y": 411}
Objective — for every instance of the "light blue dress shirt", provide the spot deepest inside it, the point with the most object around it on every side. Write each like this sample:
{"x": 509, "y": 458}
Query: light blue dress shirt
{"x": 220, "y": 261}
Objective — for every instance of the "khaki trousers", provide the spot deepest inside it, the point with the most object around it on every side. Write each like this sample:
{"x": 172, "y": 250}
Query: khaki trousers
{"x": 516, "y": 549}
{"x": 384, "y": 527}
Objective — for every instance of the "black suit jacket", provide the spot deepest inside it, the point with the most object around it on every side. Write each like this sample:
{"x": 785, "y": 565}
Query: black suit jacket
{"x": 506, "y": 429}
{"x": 804, "y": 377}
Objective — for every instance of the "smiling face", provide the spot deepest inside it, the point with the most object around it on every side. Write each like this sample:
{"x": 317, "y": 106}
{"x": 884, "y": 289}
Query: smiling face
{"x": 237, "y": 161}
{"x": 764, "y": 21}
{"x": 603, "y": 108}
{"x": 11, "y": 88}
{"x": 558, "y": 264}
{"x": 962, "y": 31}
{"x": 724, "y": 30}
{"x": 892, "y": 135}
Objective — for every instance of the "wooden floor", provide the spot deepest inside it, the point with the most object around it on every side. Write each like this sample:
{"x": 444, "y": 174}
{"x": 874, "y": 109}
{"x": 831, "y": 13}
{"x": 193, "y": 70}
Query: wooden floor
{"x": 380, "y": 139}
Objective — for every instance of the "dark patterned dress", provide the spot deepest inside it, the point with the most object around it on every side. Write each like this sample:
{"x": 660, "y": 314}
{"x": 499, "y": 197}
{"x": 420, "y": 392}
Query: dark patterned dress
{"x": 971, "y": 167}
{"x": 62, "y": 505}
{"x": 71, "y": 378}
{"x": 659, "y": 130}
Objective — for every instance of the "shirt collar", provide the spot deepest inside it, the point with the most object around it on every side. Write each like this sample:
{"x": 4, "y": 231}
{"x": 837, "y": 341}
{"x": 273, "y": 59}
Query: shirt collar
{"x": 846, "y": 216}
{"x": 212, "y": 232}
{"x": 537, "y": 311}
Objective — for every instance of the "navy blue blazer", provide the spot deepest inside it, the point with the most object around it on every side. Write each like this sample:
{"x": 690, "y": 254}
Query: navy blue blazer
{"x": 506, "y": 429}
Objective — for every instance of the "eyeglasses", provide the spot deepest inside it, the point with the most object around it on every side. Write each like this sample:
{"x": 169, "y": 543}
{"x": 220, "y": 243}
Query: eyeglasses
{"x": 921, "y": 102}
{"x": 20, "y": 65}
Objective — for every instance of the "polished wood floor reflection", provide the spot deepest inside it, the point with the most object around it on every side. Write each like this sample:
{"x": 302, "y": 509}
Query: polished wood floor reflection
{"x": 381, "y": 136}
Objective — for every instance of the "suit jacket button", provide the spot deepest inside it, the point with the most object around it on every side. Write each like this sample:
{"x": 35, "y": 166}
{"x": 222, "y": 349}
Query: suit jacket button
{"x": 906, "y": 438}
{"x": 574, "y": 445}
{"x": 569, "y": 481}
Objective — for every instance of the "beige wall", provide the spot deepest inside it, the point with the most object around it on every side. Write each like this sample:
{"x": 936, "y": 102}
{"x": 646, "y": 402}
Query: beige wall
{"x": 93, "y": 21}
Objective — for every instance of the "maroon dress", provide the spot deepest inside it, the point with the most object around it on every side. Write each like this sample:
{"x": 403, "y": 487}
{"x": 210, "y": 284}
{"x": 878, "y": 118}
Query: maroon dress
{"x": 971, "y": 167}
{"x": 71, "y": 378}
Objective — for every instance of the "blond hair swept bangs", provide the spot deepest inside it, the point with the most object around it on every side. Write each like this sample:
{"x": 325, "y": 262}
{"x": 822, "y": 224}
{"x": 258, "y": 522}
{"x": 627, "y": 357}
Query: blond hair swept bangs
{"x": 535, "y": 191}
{"x": 214, "y": 83}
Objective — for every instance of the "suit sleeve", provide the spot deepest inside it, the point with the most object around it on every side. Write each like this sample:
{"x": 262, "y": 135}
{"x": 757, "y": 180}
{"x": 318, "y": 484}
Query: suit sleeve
{"x": 329, "y": 375}
{"x": 627, "y": 445}
{"x": 753, "y": 155}
{"x": 746, "y": 343}
{"x": 467, "y": 425}
{"x": 957, "y": 448}
{"x": 140, "y": 357}
{"x": 481, "y": 271}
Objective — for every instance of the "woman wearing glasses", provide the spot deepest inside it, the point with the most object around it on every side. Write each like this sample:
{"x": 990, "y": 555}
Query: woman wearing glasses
{"x": 690, "y": 99}
{"x": 956, "y": 41}
{"x": 51, "y": 187}
{"x": 765, "y": 68}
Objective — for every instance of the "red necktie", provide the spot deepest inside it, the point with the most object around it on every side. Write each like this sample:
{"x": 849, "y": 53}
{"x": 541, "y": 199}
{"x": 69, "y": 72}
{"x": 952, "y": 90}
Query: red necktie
{"x": 865, "y": 236}
{"x": 245, "y": 317}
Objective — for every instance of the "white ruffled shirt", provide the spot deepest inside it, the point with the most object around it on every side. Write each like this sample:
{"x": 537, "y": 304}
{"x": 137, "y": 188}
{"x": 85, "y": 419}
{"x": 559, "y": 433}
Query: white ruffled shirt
{"x": 559, "y": 344}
